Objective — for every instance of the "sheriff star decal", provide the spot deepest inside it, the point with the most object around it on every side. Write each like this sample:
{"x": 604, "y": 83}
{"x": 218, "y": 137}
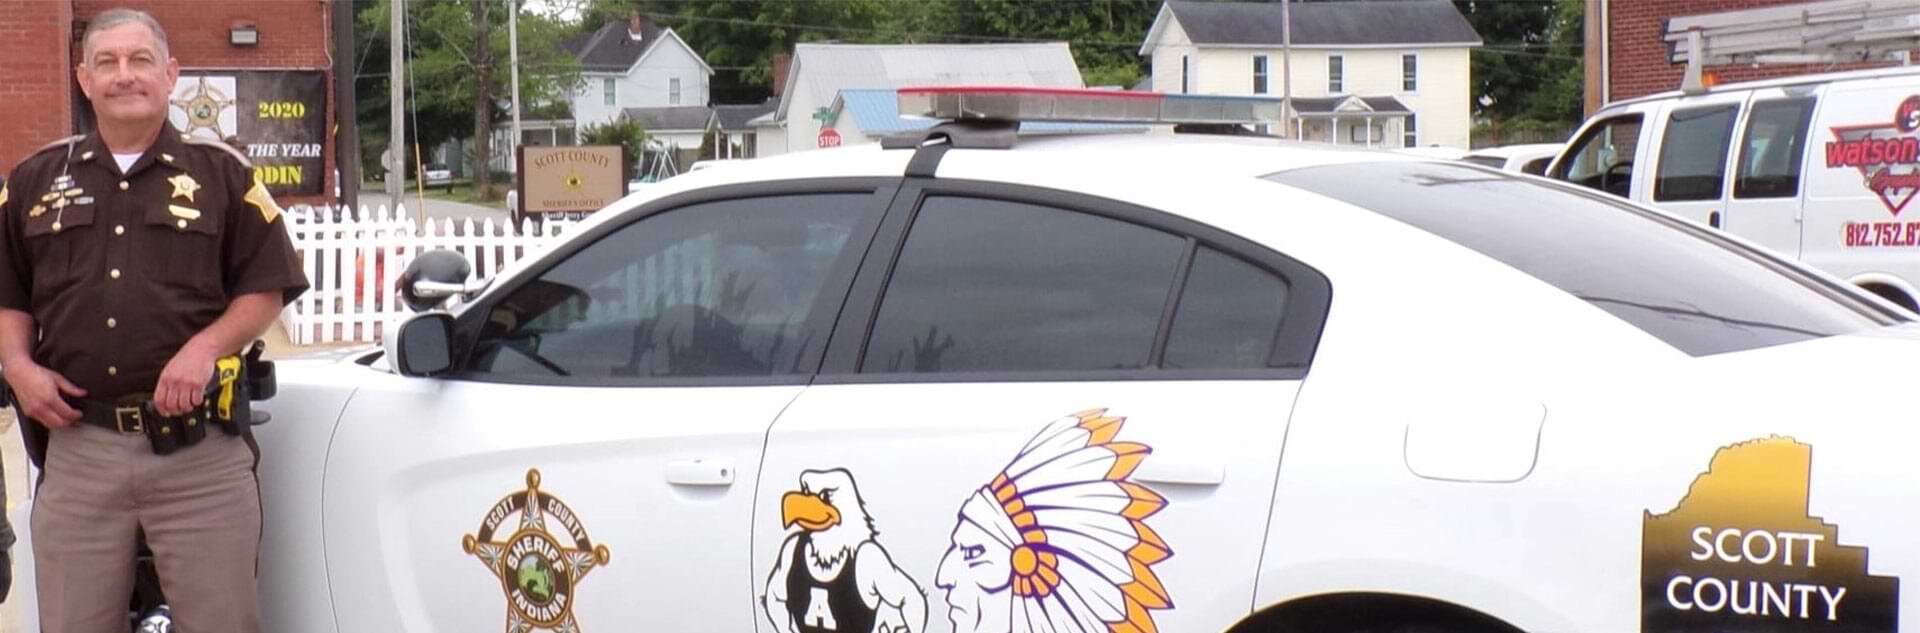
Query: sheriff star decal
{"x": 832, "y": 575}
{"x": 1058, "y": 540}
{"x": 538, "y": 572}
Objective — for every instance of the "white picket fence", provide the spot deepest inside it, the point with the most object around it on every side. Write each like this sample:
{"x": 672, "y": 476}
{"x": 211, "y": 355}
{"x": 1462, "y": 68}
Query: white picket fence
{"x": 353, "y": 262}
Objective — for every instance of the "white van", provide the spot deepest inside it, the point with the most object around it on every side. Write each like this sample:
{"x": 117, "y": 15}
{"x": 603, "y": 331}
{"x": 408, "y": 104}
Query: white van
{"x": 1817, "y": 167}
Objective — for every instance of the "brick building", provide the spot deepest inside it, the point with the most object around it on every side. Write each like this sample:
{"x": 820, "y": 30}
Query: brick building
{"x": 1633, "y": 54}
{"x": 40, "y": 45}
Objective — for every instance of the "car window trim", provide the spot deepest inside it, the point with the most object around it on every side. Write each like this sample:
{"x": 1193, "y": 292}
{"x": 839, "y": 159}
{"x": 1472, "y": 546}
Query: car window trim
{"x": 834, "y": 288}
{"x": 1310, "y": 293}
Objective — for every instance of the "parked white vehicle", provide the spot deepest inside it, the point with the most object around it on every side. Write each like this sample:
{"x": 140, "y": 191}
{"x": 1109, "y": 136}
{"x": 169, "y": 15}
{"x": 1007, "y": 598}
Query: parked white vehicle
{"x": 1120, "y": 383}
{"x": 1531, "y": 158}
{"x": 1816, "y": 167}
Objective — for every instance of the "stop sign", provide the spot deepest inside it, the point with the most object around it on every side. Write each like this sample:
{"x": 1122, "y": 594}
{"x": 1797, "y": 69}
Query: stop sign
{"x": 829, "y": 137}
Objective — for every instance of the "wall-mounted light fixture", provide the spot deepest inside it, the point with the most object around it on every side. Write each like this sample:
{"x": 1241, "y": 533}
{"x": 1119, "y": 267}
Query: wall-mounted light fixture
{"x": 244, "y": 34}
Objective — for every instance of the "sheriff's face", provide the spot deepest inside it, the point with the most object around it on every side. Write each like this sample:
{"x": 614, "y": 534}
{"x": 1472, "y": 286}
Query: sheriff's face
{"x": 976, "y": 572}
{"x": 127, "y": 75}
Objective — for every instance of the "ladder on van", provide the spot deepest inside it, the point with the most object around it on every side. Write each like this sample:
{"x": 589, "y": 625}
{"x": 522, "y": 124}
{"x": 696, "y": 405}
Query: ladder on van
{"x": 1814, "y": 32}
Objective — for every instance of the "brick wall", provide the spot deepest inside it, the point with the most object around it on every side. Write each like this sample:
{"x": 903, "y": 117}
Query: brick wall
{"x": 35, "y": 80}
{"x": 36, "y": 42}
{"x": 1638, "y": 54}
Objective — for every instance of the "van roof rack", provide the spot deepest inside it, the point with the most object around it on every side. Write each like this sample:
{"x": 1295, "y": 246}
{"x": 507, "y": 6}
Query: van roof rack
{"x": 1812, "y": 32}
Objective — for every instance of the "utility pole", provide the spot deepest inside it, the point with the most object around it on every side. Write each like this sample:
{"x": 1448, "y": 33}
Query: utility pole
{"x": 513, "y": 53}
{"x": 1286, "y": 70}
{"x": 396, "y": 110}
{"x": 346, "y": 138}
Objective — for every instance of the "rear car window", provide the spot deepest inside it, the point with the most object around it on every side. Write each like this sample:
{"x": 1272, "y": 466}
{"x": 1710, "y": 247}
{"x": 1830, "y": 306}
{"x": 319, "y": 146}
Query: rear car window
{"x": 1675, "y": 281}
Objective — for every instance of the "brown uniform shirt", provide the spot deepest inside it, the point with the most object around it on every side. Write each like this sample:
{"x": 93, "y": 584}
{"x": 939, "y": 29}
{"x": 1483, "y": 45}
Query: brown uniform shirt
{"x": 120, "y": 270}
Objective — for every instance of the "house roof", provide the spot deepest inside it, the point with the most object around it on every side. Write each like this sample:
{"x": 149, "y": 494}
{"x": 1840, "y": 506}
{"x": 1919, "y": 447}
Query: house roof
{"x": 671, "y": 118}
{"x": 1307, "y": 106}
{"x": 1317, "y": 24}
{"x": 610, "y": 48}
{"x": 877, "y": 113}
{"x": 831, "y": 68}
{"x": 737, "y": 116}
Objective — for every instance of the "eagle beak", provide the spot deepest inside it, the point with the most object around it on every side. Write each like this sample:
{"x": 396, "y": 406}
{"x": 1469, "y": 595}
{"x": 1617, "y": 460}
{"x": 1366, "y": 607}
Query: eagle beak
{"x": 808, "y": 511}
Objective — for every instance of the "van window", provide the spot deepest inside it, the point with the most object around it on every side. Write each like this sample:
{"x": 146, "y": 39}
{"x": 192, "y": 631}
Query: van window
{"x": 1603, "y": 157}
{"x": 1774, "y": 147}
{"x": 1693, "y": 154}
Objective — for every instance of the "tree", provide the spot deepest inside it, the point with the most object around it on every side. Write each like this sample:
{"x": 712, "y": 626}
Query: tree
{"x": 620, "y": 131}
{"x": 446, "y": 61}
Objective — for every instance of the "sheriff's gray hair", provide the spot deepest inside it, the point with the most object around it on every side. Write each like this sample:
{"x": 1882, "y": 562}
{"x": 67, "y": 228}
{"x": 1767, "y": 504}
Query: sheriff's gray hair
{"x": 120, "y": 17}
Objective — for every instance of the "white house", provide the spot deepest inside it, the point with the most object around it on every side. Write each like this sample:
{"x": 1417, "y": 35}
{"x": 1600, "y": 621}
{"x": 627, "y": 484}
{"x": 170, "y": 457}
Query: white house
{"x": 635, "y": 64}
{"x": 819, "y": 72}
{"x": 1392, "y": 73}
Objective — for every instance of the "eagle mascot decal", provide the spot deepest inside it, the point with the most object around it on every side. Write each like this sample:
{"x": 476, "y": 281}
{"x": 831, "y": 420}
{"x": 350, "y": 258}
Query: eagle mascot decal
{"x": 832, "y": 576}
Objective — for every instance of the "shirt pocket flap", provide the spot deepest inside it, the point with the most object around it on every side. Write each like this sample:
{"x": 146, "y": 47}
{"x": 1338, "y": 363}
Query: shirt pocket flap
{"x": 184, "y": 218}
{"x": 54, "y": 221}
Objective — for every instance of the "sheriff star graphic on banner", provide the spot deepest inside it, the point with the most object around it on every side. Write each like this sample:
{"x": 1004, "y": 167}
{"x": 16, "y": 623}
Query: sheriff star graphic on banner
{"x": 832, "y": 575}
{"x": 1058, "y": 541}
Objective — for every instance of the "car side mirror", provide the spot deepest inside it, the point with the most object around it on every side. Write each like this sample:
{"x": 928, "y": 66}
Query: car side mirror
{"x": 424, "y": 346}
{"x": 433, "y": 277}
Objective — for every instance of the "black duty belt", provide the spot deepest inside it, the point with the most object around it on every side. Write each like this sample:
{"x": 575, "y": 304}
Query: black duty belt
{"x": 131, "y": 419}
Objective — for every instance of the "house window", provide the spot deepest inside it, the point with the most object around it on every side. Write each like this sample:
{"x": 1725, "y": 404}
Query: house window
{"x": 1409, "y": 72}
{"x": 1259, "y": 74}
{"x": 1336, "y": 74}
{"x": 1184, "y": 66}
{"x": 1410, "y": 135}
{"x": 673, "y": 91}
{"x": 606, "y": 88}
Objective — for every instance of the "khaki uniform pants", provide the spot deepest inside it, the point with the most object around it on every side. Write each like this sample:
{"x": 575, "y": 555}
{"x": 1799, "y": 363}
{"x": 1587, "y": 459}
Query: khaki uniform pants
{"x": 200, "y": 508}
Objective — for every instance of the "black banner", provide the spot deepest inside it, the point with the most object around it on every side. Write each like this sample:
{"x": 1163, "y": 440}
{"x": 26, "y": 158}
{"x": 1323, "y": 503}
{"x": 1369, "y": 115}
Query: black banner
{"x": 278, "y": 118}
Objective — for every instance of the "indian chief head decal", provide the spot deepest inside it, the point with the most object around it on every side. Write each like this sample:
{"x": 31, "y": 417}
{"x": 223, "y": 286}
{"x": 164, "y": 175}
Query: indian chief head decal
{"x": 832, "y": 575}
{"x": 1058, "y": 541}
{"x": 537, "y": 571}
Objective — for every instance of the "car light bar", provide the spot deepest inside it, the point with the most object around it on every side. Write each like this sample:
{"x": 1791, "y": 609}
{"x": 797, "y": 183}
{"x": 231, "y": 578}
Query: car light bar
{"x": 1025, "y": 103}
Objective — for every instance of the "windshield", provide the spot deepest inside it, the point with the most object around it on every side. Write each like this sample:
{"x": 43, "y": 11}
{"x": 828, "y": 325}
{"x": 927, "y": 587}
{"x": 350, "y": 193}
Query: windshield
{"x": 1687, "y": 286}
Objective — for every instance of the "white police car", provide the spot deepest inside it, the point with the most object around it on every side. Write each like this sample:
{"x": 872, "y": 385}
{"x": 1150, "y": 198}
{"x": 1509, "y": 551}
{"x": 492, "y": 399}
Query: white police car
{"x": 1120, "y": 383}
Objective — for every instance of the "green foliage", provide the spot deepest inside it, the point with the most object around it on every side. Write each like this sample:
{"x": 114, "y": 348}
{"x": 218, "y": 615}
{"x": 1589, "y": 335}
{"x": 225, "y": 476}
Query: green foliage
{"x": 620, "y": 131}
{"x": 740, "y": 38}
{"x": 442, "y": 87}
{"x": 1532, "y": 49}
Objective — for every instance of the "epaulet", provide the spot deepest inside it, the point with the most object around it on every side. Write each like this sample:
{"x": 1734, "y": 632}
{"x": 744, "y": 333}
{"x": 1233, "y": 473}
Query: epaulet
{"x": 196, "y": 140}
{"x": 61, "y": 143}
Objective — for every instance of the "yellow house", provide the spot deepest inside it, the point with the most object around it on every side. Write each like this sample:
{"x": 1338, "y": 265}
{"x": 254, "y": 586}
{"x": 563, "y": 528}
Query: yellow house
{"x": 1391, "y": 73}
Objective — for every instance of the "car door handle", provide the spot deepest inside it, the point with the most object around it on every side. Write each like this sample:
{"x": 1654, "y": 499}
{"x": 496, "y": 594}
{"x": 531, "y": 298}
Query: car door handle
{"x": 700, "y": 472}
{"x": 1190, "y": 473}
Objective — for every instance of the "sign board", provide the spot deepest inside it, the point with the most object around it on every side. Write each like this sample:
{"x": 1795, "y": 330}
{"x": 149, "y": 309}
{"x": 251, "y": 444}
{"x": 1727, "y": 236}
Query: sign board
{"x": 570, "y": 179}
{"x": 278, "y": 118}
{"x": 829, "y": 137}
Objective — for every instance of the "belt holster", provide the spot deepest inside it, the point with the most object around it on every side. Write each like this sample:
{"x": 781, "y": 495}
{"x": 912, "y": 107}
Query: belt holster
{"x": 226, "y": 405}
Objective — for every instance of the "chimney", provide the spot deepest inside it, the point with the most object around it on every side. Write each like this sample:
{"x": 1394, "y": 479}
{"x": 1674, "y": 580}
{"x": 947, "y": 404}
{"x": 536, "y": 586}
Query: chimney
{"x": 635, "y": 24}
{"x": 781, "y": 64}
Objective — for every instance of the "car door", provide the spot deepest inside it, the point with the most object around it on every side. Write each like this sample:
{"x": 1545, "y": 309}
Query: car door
{"x": 1690, "y": 168}
{"x": 588, "y": 464}
{"x": 1040, "y": 407}
{"x": 1766, "y": 202}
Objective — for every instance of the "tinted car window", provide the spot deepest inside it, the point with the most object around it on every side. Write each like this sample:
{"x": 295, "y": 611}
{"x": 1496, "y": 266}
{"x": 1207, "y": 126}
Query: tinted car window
{"x": 1663, "y": 276}
{"x": 1229, "y": 315}
{"x": 1774, "y": 147}
{"x": 714, "y": 289}
{"x": 989, "y": 285}
{"x": 1693, "y": 154}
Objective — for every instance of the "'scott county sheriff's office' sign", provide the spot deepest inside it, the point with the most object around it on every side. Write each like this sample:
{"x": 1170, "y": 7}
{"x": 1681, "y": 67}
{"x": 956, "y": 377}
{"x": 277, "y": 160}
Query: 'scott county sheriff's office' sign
{"x": 571, "y": 179}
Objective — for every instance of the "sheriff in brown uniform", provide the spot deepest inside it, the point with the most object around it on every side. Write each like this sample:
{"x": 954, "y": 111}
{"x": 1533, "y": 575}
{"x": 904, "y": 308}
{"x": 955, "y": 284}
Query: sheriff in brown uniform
{"x": 133, "y": 259}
